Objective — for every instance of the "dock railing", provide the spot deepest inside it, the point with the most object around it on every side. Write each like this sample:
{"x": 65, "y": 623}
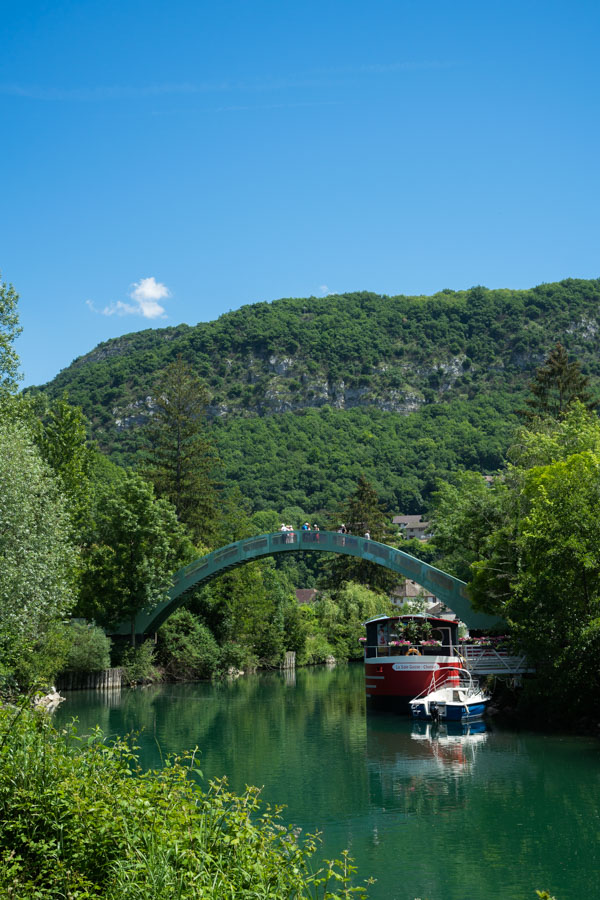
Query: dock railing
{"x": 488, "y": 661}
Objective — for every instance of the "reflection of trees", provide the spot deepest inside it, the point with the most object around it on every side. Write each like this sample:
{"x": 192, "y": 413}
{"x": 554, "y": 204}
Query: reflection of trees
{"x": 258, "y": 730}
{"x": 90, "y": 708}
{"x": 415, "y": 814}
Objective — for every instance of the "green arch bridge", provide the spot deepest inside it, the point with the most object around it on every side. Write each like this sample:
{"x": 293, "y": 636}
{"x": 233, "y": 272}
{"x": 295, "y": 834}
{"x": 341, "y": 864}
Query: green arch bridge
{"x": 448, "y": 589}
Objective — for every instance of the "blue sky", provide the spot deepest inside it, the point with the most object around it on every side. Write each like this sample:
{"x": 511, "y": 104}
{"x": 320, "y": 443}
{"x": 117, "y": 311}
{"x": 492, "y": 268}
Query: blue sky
{"x": 165, "y": 162}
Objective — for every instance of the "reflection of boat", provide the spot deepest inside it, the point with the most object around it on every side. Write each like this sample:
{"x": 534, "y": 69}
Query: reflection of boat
{"x": 455, "y": 699}
{"x": 450, "y": 732}
{"x": 412, "y": 764}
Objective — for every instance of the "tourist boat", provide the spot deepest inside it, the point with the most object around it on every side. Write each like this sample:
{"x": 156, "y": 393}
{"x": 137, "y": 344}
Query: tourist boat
{"x": 404, "y": 653}
{"x": 457, "y": 698}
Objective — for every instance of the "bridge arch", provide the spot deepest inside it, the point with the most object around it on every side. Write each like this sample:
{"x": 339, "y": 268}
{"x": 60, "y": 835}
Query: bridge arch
{"x": 447, "y": 588}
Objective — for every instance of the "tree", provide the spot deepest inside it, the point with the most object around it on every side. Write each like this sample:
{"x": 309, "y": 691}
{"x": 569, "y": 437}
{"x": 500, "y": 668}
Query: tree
{"x": 181, "y": 460}
{"x": 134, "y": 547}
{"x": 361, "y": 513}
{"x": 463, "y": 516}
{"x": 557, "y": 384}
{"x": 9, "y": 331}
{"x": 37, "y": 559}
{"x": 537, "y": 561}
{"x": 89, "y": 648}
{"x": 61, "y": 435}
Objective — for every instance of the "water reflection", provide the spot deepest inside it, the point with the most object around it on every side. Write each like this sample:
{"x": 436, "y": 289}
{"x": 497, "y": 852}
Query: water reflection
{"x": 453, "y": 745}
{"x": 415, "y": 803}
{"x": 405, "y": 746}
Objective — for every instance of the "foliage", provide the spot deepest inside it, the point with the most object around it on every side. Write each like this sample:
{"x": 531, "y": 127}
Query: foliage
{"x": 558, "y": 384}
{"x": 536, "y": 561}
{"x": 236, "y": 657}
{"x": 89, "y": 648}
{"x": 134, "y": 545}
{"x": 61, "y": 436}
{"x": 463, "y": 515}
{"x": 36, "y": 560}
{"x": 138, "y": 664}
{"x": 361, "y": 513}
{"x": 9, "y": 331}
{"x": 317, "y": 649}
{"x": 79, "y": 819}
{"x": 186, "y": 648}
{"x": 335, "y": 621}
{"x": 181, "y": 459}
{"x": 307, "y": 394}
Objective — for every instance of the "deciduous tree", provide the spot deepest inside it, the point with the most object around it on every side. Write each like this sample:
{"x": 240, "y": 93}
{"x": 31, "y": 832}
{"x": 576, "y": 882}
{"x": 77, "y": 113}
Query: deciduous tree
{"x": 135, "y": 546}
{"x": 538, "y": 564}
{"x": 37, "y": 559}
{"x": 9, "y": 331}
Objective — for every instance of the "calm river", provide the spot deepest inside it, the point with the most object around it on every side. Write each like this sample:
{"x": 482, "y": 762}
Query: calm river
{"x": 488, "y": 815}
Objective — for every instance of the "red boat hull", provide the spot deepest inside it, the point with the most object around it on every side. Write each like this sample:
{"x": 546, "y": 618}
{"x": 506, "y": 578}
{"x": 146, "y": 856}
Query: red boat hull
{"x": 392, "y": 682}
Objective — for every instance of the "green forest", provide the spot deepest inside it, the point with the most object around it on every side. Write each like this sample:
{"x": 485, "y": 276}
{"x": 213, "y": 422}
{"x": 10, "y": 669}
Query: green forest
{"x": 305, "y": 394}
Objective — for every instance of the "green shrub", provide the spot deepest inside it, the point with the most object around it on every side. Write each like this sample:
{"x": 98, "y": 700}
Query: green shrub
{"x": 187, "y": 649}
{"x": 89, "y": 650}
{"x": 138, "y": 664}
{"x": 237, "y": 656}
{"x": 316, "y": 650}
{"x": 80, "y": 820}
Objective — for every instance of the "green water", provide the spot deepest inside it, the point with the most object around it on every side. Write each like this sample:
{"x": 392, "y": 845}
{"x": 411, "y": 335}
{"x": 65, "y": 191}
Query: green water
{"x": 490, "y": 815}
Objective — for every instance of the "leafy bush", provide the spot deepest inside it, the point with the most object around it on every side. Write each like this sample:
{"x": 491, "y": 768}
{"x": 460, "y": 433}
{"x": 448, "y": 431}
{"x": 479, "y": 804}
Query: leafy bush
{"x": 138, "y": 664}
{"x": 187, "y": 649}
{"x": 316, "y": 650}
{"x": 79, "y": 819}
{"x": 89, "y": 650}
{"x": 237, "y": 656}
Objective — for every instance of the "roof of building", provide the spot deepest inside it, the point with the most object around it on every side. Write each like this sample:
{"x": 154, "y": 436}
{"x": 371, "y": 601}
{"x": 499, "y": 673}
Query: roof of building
{"x": 305, "y": 595}
{"x": 410, "y": 521}
{"x": 410, "y": 589}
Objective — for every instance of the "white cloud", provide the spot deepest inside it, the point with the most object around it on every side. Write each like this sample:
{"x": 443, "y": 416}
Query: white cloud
{"x": 324, "y": 290}
{"x": 145, "y": 293}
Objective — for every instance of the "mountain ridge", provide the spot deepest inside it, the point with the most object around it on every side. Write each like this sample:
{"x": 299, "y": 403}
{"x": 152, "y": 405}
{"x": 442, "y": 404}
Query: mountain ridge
{"x": 356, "y": 356}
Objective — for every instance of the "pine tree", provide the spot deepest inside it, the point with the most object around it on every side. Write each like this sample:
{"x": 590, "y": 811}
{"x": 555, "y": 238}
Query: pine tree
{"x": 181, "y": 459}
{"x": 557, "y": 384}
{"x": 361, "y": 513}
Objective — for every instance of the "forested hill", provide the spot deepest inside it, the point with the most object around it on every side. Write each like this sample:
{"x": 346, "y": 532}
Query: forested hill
{"x": 307, "y": 393}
